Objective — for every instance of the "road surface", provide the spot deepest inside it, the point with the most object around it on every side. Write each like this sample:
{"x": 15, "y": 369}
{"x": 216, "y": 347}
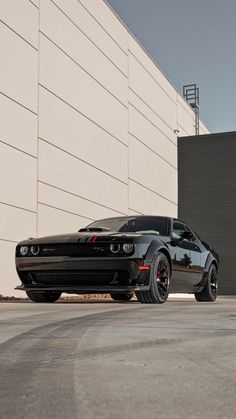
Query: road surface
{"x": 110, "y": 361}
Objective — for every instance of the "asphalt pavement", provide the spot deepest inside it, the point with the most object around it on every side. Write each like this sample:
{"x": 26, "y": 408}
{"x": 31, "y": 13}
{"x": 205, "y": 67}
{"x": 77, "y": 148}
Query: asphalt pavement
{"x": 109, "y": 360}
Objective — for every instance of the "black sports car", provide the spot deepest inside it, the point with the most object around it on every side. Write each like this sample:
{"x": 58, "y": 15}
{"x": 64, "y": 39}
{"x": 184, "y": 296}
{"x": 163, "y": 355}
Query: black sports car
{"x": 146, "y": 255}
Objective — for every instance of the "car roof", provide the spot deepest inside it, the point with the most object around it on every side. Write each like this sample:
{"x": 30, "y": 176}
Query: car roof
{"x": 137, "y": 216}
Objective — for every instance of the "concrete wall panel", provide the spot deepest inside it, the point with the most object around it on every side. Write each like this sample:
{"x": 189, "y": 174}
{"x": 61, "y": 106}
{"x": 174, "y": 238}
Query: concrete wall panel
{"x": 9, "y": 278}
{"x": 80, "y": 90}
{"x": 18, "y": 69}
{"x": 16, "y": 224}
{"x": 85, "y": 22}
{"x": 71, "y": 131}
{"x": 35, "y": 2}
{"x": 75, "y": 204}
{"x": 144, "y": 201}
{"x": 186, "y": 118}
{"x": 53, "y": 221}
{"x": 148, "y": 169}
{"x": 152, "y": 117}
{"x": 18, "y": 126}
{"x": 203, "y": 128}
{"x": 148, "y": 63}
{"x": 108, "y": 20}
{"x": 147, "y": 133}
{"x": 22, "y": 17}
{"x": 18, "y": 174}
{"x": 133, "y": 212}
{"x": 151, "y": 93}
{"x": 69, "y": 173}
{"x": 77, "y": 45}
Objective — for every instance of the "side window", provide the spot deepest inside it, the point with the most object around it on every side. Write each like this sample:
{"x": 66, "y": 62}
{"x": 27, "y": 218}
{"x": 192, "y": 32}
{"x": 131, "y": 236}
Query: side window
{"x": 178, "y": 229}
{"x": 194, "y": 234}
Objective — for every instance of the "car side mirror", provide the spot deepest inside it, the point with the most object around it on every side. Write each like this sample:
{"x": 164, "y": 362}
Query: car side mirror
{"x": 188, "y": 235}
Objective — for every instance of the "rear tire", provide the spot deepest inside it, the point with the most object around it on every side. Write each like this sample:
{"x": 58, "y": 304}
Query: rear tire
{"x": 210, "y": 290}
{"x": 159, "y": 282}
{"x": 122, "y": 296}
{"x": 43, "y": 296}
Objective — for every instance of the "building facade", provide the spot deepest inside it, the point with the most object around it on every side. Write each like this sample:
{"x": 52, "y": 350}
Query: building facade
{"x": 207, "y": 196}
{"x": 87, "y": 123}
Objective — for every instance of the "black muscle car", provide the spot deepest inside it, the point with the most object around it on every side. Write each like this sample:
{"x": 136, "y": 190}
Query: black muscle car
{"x": 150, "y": 256}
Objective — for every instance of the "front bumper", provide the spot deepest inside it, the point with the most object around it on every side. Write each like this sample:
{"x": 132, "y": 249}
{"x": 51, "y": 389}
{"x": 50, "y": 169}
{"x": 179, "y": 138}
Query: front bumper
{"x": 81, "y": 275}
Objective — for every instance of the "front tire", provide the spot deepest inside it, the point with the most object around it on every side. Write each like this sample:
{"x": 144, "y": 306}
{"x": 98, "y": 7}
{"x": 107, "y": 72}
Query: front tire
{"x": 43, "y": 296}
{"x": 159, "y": 282}
{"x": 122, "y": 296}
{"x": 210, "y": 290}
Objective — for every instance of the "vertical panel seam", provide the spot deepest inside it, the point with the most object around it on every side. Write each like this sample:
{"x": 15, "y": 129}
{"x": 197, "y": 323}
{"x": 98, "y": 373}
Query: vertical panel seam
{"x": 128, "y": 110}
{"x": 37, "y": 180}
{"x": 154, "y": 111}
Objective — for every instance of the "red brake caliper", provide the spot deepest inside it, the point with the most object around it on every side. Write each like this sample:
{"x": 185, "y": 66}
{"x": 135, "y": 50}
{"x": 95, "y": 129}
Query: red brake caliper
{"x": 158, "y": 279}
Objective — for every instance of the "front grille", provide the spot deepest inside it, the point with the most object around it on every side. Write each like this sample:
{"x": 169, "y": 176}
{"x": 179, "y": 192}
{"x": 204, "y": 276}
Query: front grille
{"x": 74, "y": 250}
{"x": 80, "y": 278}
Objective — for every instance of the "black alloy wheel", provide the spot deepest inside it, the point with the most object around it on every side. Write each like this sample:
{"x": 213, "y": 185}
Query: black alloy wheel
{"x": 159, "y": 282}
{"x": 43, "y": 296}
{"x": 210, "y": 290}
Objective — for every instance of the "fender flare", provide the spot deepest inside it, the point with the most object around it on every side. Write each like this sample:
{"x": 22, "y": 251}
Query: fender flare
{"x": 210, "y": 259}
{"x": 157, "y": 246}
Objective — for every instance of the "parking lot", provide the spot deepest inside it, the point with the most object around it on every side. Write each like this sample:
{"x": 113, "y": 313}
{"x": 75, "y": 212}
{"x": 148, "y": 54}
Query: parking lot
{"x": 108, "y": 360}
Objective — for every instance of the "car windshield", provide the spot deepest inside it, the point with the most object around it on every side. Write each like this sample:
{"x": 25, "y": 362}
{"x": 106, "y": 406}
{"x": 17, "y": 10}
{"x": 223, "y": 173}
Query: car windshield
{"x": 143, "y": 225}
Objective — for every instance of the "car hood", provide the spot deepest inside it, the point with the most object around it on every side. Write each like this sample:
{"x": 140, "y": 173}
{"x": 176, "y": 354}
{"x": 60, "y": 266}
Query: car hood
{"x": 90, "y": 237}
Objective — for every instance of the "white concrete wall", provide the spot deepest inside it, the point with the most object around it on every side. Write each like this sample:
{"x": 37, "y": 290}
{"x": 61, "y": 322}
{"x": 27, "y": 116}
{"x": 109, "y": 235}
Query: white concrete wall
{"x": 18, "y": 131}
{"x": 87, "y": 123}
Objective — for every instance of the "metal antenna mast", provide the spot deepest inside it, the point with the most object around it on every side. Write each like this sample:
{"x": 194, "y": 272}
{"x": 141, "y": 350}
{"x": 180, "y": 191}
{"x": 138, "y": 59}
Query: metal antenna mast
{"x": 191, "y": 95}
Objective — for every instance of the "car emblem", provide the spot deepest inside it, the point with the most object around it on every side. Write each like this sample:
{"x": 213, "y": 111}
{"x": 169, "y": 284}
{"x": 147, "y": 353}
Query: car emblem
{"x": 48, "y": 249}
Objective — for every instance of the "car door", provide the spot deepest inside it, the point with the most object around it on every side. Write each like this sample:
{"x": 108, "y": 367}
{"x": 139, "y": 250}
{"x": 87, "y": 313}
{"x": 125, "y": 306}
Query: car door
{"x": 196, "y": 248}
{"x": 186, "y": 257}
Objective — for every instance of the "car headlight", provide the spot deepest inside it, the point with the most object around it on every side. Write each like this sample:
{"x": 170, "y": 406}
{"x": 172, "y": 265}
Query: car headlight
{"x": 128, "y": 247}
{"x": 34, "y": 250}
{"x": 24, "y": 250}
{"x": 115, "y": 247}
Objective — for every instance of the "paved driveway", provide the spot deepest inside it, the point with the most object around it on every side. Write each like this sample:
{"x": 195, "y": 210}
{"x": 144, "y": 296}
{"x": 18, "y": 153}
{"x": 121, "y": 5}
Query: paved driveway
{"x": 110, "y": 361}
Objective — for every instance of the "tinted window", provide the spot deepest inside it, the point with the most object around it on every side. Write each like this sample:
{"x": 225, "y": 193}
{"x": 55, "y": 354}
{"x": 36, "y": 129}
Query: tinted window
{"x": 145, "y": 225}
{"x": 178, "y": 228}
{"x": 193, "y": 232}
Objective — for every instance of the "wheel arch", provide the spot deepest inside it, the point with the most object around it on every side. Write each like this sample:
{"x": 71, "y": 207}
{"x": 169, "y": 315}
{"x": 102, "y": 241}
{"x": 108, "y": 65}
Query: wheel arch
{"x": 215, "y": 263}
{"x": 211, "y": 260}
{"x": 158, "y": 246}
{"x": 153, "y": 295}
{"x": 167, "y": 254}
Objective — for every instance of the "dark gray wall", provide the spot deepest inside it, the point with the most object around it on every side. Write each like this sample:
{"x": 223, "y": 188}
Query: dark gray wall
{"x": 207, "y": 196}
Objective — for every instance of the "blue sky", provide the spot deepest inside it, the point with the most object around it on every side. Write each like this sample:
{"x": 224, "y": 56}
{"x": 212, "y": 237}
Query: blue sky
{"x": 193, "y": 41}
